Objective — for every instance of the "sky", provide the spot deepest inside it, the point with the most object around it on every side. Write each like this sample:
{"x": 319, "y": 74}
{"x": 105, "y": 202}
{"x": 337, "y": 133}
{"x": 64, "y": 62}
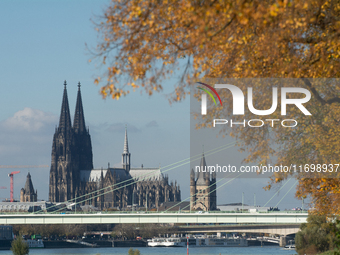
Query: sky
{"x": 42, "y": 44}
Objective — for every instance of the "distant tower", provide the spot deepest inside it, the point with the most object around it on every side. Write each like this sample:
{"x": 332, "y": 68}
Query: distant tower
{"x": 203, "y": 195}
{"x": 126, "y": 155}
{"x": 27, "y": 194}
{"x": 71, "y": 152}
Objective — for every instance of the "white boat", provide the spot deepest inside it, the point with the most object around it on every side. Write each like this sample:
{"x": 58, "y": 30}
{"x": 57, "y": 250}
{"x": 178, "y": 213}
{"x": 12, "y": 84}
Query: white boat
{"x": 198, "y": 241}
{"x": 35, "y": 243}
{"x": 166, "y": 242}
{"x": 289, "y": 247}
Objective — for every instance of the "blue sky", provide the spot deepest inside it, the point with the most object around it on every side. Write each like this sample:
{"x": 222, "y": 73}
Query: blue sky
{"x": 42, "y": 44}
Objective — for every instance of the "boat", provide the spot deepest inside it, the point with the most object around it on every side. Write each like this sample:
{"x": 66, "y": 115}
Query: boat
{"x": 33, "y": 244}
{"x": 166, "y": 242}
{"x": 198, "y": 241}
{"x": 289, "y": 247}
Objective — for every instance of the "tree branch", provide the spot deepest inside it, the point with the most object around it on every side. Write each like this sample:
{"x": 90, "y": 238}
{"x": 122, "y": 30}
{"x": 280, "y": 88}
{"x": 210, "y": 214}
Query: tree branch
{"x": 317, "y": 95}
{"x": 224, "y": 27}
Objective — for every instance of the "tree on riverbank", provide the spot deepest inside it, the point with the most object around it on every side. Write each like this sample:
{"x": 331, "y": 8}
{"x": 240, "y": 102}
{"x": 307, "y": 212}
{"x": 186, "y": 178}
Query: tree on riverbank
{"x": 48, "y": 230}
{"x": 131, "y": 231}
{"x": 19, "y": 247}
{"x": 317, "y": 235}
{"x": 133, "y": 252}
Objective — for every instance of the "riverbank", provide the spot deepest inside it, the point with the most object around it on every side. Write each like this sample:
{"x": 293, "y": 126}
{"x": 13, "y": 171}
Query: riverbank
{"x": 93, "y": 243}
{"x": 269, "y": 250}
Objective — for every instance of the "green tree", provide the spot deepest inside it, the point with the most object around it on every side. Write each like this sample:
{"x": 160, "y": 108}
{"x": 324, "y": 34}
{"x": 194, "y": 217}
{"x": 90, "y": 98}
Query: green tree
{"x": 19, "y": 247}
{"x": 133, "y": 252}
{"x": 317, "y": 235}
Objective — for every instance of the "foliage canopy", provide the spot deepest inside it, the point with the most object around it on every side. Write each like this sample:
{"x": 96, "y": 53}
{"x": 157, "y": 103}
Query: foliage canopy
{"x": 317, "y": 235}
{"x": 19, "y": 247}
{"x": 144, "y": 42}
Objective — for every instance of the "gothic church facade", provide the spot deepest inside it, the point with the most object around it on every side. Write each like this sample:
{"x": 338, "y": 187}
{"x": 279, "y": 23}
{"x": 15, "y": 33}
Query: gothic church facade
{"x": 203, "y": 188}
{"x": 72, "y": 176}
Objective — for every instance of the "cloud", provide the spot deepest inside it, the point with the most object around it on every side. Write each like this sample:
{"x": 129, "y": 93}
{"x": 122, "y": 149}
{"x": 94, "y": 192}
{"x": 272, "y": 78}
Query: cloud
{"x": 152, "y": 124}
{"x": 120, "y": 127}
{"x": 29, "y": 120}
{"x": 26, "y": 139}
{"x": 26, "y": 134}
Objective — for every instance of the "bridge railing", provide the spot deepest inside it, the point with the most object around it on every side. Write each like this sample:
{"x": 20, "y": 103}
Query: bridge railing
{"x": 152, "y": 212}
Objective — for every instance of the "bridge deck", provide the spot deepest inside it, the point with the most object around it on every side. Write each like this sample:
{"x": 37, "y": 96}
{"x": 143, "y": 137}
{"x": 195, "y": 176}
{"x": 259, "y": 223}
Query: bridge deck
{"x": 108, "y": 218}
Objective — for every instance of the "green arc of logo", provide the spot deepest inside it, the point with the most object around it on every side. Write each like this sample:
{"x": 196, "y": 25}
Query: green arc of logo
{"x": 209, "y": 93}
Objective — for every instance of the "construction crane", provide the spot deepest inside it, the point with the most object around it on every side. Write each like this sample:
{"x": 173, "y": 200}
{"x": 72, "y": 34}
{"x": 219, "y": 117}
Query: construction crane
{"x": 2, "y": 187}
{"x": 16, "y": 172}
{"x": 11, "y": 176}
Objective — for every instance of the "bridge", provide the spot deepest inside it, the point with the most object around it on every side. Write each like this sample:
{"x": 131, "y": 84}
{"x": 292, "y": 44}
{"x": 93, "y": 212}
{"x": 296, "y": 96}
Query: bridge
{"x": 156, "y": 217}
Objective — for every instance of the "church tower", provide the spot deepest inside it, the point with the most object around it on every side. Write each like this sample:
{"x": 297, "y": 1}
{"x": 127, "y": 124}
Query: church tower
{"x": 71, "y": 152}
{"x": 27, "y": 194}
{"x": 202, "y": 189}
{"x": 126, "y": 155}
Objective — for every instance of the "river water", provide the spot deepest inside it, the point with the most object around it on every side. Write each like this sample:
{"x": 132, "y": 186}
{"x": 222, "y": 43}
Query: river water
{"x": 162, "y": 250}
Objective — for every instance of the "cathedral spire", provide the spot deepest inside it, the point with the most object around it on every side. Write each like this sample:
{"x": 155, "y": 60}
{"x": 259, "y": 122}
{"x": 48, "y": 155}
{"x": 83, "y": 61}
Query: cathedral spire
{"x": 126, "y": 155}
{"x": 29, "y": 185}
{"x": 201, "y": 175}
{"x": 65, "y": 119}
{"x": 79, "y": 119}
{"x": 126, "y": 145}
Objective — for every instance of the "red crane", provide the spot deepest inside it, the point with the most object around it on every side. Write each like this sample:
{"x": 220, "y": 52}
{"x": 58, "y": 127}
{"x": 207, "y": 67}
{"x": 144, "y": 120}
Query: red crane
{"x": 11, "y": 176}
{"x": 2, "y": 187}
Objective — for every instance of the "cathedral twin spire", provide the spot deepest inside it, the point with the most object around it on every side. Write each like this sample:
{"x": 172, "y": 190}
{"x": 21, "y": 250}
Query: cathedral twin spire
{"x": 65, "y": 125}
{"x": 65, "y": 117}
{"x": 79, "y": 119}
{"x": 71, "y": 152}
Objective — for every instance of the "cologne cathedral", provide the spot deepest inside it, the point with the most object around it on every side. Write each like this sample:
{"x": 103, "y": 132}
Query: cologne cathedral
{"x": 72, "y": 176}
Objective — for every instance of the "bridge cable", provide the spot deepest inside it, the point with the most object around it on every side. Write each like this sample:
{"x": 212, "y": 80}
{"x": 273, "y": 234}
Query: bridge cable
{"x": 276, "y": 192}
{"x": 147, "y": 175}
{"x": 286, "y": 193}
{"x": 217, "y": 188}
{"x": 205, "y": 194}
{"x": 142, "y": 180}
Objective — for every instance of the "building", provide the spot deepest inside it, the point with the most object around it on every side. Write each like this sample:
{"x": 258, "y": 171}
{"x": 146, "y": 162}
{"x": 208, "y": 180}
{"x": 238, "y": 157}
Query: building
{"x": 27, "y": 206}
{"x": 27, "y": 194}
{"x": 203, "y": 188}
{"x": 72, "y": 175}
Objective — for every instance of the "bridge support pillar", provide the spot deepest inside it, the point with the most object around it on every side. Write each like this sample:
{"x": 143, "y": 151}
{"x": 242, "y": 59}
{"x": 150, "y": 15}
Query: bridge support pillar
{"x": 283, "y": 241}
